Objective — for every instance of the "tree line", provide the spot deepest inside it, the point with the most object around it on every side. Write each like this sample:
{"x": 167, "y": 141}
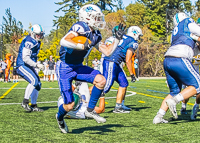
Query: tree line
{"x": 154, "y": 17}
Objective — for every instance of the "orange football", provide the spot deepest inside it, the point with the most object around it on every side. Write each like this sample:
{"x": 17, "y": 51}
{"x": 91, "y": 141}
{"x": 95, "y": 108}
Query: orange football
{"x": 80, "y": 39}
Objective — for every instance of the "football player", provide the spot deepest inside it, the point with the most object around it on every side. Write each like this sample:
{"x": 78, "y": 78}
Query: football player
{"x": 112, "y": 69}
{"x": 26, "y": 64}
{"x": 178, "y": 67}
{"x": 196, "y": 63}
{"x": 109, "y": 41}
{"x": 82, "y": 90}
{"x": 70, "y": 66}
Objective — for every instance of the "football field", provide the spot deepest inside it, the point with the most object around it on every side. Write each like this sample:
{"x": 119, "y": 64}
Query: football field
{"x": 16, "y": 125}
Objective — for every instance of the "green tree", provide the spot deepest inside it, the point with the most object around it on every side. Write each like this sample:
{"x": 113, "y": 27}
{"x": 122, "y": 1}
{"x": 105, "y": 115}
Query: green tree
{"x": 160, "y": 13}
{"x": 11, "y": 26}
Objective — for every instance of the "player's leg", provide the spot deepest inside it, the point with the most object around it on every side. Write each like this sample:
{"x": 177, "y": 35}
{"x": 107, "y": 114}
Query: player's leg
{"x": 83, "y": 91}
{"x": 184, "y": 103}
{"x": 90, "y": 75}
{"x": 195, "y": 108}
{"x": 34, "y": 95}
{"x": 123, "y": 84}
{"x": 28, "y": 74}
{"x": 187, "y": 76}
{"x": 65, "y": 75}
{"x": 101, "y": 107}
{"x": 175, "y": 87}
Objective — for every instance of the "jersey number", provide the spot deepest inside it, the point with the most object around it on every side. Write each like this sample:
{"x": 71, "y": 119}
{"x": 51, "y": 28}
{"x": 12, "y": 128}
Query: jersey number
{"x": 175, "y": 30}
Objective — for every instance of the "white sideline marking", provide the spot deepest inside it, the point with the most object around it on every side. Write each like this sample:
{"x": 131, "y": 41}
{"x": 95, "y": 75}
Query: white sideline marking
{"x": 25, "y": 88}
{"x": 132, "y": 93}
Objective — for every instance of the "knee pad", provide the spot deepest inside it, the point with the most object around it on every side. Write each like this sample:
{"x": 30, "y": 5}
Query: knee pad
{"x": 38, "y": 86}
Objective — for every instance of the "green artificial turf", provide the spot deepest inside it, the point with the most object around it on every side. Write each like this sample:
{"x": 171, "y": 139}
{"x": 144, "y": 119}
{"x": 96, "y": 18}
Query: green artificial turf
{"x": 16, "y": 125}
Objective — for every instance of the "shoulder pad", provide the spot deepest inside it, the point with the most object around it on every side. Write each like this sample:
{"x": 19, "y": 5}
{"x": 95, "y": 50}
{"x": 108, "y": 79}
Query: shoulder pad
{"x": 80, "y": 27}
{"x": 191, "y": 20}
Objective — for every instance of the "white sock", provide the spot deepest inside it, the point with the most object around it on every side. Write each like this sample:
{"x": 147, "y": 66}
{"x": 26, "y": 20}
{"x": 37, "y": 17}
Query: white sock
{"x": 84, "y": 90}
{"x": 161, "y": 112}
{"x": 34, "y": 96}
{"x": 179, "y": 97}
{"x": 184, "y": 105}
{"x": 29, "y": 91}
{"x": 44, "y": 78}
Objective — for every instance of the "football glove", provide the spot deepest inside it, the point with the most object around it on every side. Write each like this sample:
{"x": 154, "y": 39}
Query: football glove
{"x": 120, "y": 32}
{"x": 133, "y": 79}
{"x": 40, "y": 66}
{"x": 86, "y": 45}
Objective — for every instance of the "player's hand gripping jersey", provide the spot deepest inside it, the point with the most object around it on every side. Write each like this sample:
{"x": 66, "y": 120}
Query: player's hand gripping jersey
{"x": 75, "y": 56}
{"x": 119, "y": 55}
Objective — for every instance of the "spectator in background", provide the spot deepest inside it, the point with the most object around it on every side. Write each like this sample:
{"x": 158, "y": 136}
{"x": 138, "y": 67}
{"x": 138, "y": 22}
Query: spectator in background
{"x": 136, "y": 68}
{"x": 95, "y": 63}
{"x": 3, "y": 67}
{"x": 51, "y": 65}
{"x": 1, "y": 72}
{"x": 15, "y": 76}
{"x": 45, "y": 71}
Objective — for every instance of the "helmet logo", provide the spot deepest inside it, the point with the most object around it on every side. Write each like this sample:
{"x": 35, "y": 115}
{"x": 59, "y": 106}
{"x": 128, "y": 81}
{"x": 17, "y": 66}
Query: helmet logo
{"x": 89, "y": 9}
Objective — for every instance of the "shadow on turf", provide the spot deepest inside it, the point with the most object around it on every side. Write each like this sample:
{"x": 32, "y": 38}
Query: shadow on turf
{"x": 183, "y": 118}
{"x": 130, "y": 106}
{"x": 48, "y": 107}
{"x": 99, "y": 129}
{"x": 5, "y": 98}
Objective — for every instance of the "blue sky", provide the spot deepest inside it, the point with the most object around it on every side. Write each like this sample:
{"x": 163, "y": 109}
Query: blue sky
{"x": 36, "y": 11}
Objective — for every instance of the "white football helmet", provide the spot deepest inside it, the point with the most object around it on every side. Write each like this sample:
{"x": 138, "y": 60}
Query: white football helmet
{"x": 37, "y": 32}
{"x": 93, "y": 16}
{"x": 179, "y": 17}
{"x": 135, "y": 32}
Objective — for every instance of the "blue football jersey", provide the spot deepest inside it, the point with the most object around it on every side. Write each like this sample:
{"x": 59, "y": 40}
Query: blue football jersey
{"x": 181, "y": 34}
{"x": 33, "y": 45}
{"x": 73, "y": 56}
{"x": 119, "y": 55}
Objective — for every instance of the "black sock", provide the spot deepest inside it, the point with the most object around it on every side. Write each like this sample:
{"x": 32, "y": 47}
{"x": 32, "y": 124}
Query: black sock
{"x": 26, "y": 101}
{"x": 89, "y": 109}
{"x": 33, "y": 105}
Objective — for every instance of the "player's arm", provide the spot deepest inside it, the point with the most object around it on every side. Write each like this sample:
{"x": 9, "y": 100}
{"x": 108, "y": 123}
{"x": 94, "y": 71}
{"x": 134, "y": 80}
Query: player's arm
{"x": 66, "y": 41}
{"x": 129, "y": 55}
{"x": 108, "y": 49}
{"x": 26, "y": 56}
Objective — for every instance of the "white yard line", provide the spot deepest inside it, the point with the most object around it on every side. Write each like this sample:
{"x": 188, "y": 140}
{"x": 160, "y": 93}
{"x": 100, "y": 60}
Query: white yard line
{"x": 131, "y": 94}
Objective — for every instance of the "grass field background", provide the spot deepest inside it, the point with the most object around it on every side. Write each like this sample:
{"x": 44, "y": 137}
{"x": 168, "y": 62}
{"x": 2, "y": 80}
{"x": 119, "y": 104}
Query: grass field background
{"x": 16, "y": 125}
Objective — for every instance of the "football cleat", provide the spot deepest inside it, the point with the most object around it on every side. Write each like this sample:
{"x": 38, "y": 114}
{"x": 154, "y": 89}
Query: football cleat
{"x": 159, "y": 119}
{"x": 35, "y": 108}
{"x": 183, "y": 111}
{"x": 62, "y": 125}
{"x": 172, "y": 107}
{"x": 95, "y": 116}
{"x": 195, "y": 109}
{"x": 125, "y": 107}
{"x": 120, "y": 110}
{"x": 26, "y": 106}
